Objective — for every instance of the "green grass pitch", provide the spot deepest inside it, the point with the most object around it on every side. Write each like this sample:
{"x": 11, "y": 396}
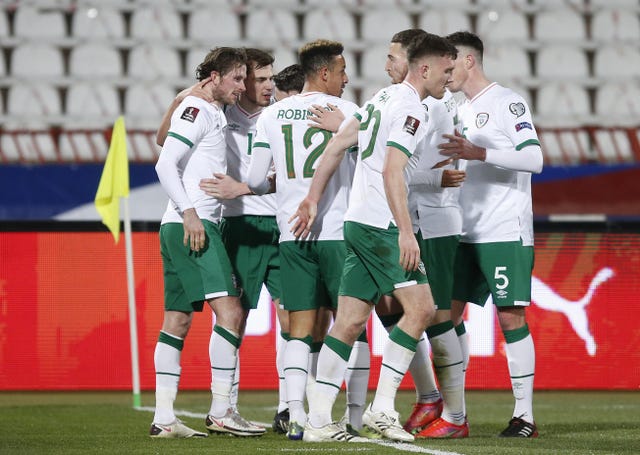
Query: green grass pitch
{"x": 105, "y": 422}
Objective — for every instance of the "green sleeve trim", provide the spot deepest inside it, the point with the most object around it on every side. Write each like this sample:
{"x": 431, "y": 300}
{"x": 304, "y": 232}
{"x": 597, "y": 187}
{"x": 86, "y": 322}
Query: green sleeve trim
{"x": 353, "y": 149}
{"x": 261, "y": 144}
{"x": 180, "y": 138}
{"x": 528, "y": 143}
{"x": 399, "y": 147}
{"x": 358, "y": 116}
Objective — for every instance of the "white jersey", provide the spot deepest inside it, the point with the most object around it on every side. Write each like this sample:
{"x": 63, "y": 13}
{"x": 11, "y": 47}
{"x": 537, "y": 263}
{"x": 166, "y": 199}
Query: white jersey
{"x": 496, "y": 202}
{"x": 200, "y": 125}
{"x": 241, "y": 129}
{"x": 393, "y": 117}
{"x": 283, "y": 131}
{"x": 434, "y": 210}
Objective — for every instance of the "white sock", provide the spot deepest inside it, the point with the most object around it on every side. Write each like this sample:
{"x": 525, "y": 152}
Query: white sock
{"x": 282, "y": 385}
{"x": 235, "y": 387}
{"x": 521, "y": 357}
{"x": 397, "y": 355}
{"x": 422, "y": 374}
{"x": 223, "y": 354}
{"x": 332, "y": 365}
{"x": 296, "y": 363}
{"x": 357, "y": 381}
{"x": 447, "y": 360}
{"x": 166, "y": 359}
{"x": 463, "y": 339}
{"x": 312, "y": 371}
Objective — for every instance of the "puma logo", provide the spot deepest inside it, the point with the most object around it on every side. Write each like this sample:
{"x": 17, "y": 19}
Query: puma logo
{"x": 575, "y": 311}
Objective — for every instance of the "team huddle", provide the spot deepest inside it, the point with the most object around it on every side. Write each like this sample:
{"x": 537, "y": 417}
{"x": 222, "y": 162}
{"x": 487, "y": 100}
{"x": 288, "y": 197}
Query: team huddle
{"x": 412, "y": 204}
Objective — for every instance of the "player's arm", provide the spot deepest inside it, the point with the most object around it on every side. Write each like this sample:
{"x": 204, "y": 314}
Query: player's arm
{"x": 328, "y": 118}
{"x": 436, "y": 177}
{"x": 527, "y": 158}
{"x": 258, "y": 179}
{"x": 331, "y": 158}
{"x": 223, "y": 186}
{"x": 396, "y": 191}
{"x": 197, "y": 90}
{"x": 167, "y": 169}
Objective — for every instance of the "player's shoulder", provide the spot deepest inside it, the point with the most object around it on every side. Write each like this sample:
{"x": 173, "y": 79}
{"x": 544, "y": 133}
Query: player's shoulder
{"x": 192, "y": 109}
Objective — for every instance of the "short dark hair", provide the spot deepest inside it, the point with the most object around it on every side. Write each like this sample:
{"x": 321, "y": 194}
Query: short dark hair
{"x": 406, "y": 36}
{"x": 429, "y": 44}
{"x": 318, "y": 53}
{"x": 257, "y": 58}
{"x": 290, "y": 78}
{"x": 467, "y": 39}
{"x": 222, "y": 60}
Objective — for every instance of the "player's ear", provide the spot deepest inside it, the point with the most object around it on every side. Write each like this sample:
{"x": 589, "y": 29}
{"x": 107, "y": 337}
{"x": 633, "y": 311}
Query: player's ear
{"x": 216, "y": 77}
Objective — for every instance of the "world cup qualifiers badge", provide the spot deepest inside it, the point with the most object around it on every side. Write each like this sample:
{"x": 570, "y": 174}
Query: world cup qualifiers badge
{"x": 517, "y": 109}
{"x": 190, "y": 114}
{"x": 411, "y": 125}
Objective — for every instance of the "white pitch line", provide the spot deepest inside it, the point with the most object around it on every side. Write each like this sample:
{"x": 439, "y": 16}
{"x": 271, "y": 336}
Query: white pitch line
{"x": 402, "y": 446}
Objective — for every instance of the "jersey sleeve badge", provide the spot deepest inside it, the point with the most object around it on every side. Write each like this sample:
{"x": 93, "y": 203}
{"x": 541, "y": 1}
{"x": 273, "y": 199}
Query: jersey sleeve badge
{"x": 411, "y": 125}
{"x": 517, "y": 109}
{"x": 190, "y": 114}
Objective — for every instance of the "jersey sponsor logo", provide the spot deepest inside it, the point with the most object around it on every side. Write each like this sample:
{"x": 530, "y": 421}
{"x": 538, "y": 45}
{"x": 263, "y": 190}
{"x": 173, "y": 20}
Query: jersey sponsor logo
{"x": 523, "y": 125}
{"x": 481, "y": 119}
{"x": 233, "y": 126}
{"x": 411, "y": 125}
{"x": 517, "y": 109}
{"x": 190, "y": 114}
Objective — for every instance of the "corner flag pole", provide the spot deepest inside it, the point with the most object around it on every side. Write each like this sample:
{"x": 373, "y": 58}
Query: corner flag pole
{"x": 133, "y": 320}
{"x": 113, "y": 186}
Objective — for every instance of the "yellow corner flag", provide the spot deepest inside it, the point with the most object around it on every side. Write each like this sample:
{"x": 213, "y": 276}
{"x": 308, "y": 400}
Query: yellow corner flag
{"x": 114, "y": 182}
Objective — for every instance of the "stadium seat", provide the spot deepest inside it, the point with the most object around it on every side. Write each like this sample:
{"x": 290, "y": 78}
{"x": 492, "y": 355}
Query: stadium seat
{"x": 498, "y": 26}
{"x": 379, "y": 25}
{"x": 146, "y": 103}
{"x": 4, "y": 24}
{"x": 95, "y": 59}
{"x": 285, "y": 56}
{"x": 628, "y": 4}
{"x": 37, "y": 60}
{"x": 566, "y": 147}
{"x": 616, "y": 61}
{"x": 271, "y": 27}
{"x": 331, "y": 23}
{"x": 154, "y": 62}
{"x": 561, "y": 61}
{"x": 615, "y": 24}
{"x": 373, "y": 61}
{"x": 33, "y": 103}
{"x": 156, "y": 23}
{"x": 38, "y": 22}
{"x": 195, "y": 56}
{"x": 103, "y": 22}
{"x": 444, "y": 21}
{"x": 506, "y": 62}
{"x": 562, "y": 104}
{"x": 213, "y": 27}
{"x": 501, "y": 5}
{"x": 455, "y": 4}
{"x": 618, "y": 103}
{"x": 559, "y": 24}
{"x": 89, "y": 103}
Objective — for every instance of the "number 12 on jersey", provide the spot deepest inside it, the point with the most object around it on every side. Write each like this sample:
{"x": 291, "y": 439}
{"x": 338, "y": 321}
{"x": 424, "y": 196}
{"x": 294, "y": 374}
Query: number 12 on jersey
{"x": 305, "y": 151}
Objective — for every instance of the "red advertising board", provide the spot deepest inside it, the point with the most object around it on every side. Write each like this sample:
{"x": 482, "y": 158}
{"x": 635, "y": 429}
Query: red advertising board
{"x": 64, "y": 317}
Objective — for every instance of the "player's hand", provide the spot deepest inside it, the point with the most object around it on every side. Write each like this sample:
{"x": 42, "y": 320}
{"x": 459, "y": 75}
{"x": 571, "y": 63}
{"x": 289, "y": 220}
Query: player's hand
{"x": 194, "y": 235}
{"x": 452, "y": 178}
{"x": 304, "y": 218}
{"x": 223, "y": 186}
{"x": 409, "y": 251}
{"x": 328, "y": 118}
{"x": 460, "y": 147}
{"x": 198, "y": 89}
{"x": 443, "y": 163}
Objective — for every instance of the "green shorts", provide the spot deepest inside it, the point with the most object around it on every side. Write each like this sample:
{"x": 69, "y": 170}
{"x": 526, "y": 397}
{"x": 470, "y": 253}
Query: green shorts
{"x": 438, "y": 255}
{"x": 311, "y": 273}
{"x": 190, "y": 278}
{"x": 252, "y": 244}
{"x": 372, "y": 266}
{"x": 502, "y": 269}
